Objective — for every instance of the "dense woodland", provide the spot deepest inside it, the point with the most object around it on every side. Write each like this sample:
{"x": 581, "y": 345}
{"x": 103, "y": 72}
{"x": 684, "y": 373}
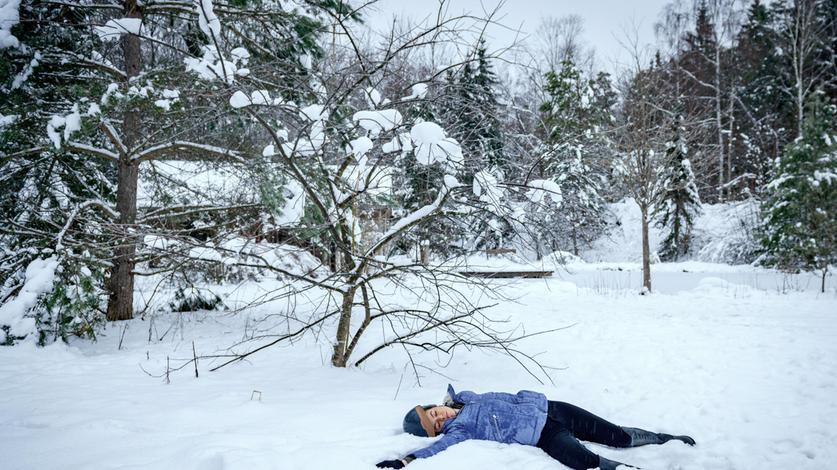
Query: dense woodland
{"x": 333, "y": 158}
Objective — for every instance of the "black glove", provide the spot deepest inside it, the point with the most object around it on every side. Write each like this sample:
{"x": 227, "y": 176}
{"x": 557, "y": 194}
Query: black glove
{"x": 390, "y": 464}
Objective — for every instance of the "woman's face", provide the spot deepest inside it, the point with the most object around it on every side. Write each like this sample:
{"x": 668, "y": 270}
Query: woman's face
{"x": 439, "y": 415}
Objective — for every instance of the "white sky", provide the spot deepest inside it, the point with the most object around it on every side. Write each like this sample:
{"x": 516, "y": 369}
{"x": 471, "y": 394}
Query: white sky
{"x": 604, "y": 20}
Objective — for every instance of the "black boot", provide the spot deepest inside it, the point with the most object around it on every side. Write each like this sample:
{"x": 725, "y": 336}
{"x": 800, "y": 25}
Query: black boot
{"x": 641, "y": 437}
{"x": 607, "y": 464}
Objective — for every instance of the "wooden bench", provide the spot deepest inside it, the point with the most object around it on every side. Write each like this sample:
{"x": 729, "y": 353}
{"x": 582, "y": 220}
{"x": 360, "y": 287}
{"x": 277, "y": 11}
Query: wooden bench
{"x": 506, "y": 274}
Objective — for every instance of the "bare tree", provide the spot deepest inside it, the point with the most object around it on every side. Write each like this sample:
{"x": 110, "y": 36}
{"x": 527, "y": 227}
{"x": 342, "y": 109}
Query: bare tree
{"x": 559, "y": 39}
{"x": 337, "y": 143}
{"x": 802, "y": 37}
{"x": 644, "y": 123}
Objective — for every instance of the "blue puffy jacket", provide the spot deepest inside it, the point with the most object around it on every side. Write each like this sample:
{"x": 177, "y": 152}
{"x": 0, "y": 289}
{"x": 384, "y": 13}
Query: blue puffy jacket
{"x": 499, "y": 417}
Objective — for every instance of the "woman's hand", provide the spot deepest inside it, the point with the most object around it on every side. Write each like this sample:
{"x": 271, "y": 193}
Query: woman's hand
{"x": 391, "y": 464}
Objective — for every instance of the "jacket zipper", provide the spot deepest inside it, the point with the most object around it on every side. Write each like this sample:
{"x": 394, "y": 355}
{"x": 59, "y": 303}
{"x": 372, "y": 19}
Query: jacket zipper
{"x": 496, "y": 426}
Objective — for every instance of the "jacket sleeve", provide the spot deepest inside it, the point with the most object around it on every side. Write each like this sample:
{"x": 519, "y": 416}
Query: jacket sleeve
{"x": 446, "y": 441}
{"x": 467, "y": 396}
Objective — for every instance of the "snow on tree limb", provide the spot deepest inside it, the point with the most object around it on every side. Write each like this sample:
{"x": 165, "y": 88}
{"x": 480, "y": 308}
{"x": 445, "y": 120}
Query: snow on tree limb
{"x": 207, "y": 20}
{"x": 9, "y": 17}
{"x": 91, "y": 150}
{"x": 178, "y": 147}
{"x": 39, "y": 278}
{"x": 411, "y": 219}
{"x": 114, "y": 29}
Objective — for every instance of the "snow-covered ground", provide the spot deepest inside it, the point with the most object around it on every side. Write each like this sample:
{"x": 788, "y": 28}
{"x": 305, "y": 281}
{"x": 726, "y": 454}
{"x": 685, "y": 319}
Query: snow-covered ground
{"x": 746, "y": 368}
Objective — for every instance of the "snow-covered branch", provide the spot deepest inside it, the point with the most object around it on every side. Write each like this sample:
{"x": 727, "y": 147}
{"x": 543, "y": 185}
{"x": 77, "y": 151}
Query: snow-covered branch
{"x": 113, "y": 135}
{"x": 410, "y": 220}
{"x": 180, "y": 148}
{"x": 91, "y": 150}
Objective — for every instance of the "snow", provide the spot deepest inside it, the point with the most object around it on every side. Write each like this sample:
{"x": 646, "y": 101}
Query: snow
{"x": 749, "y": 373}
{"x": 24, "y": 75}
{"x": 212, "y": 66}
{"x": 399, "y": 143}
{"x": 169, "y": 97}
{"x": 432, "y": 145}
{"x": 7, "y": 120}
{"x": 239, "y": 99}
{"x": 417, "y": 91}
{"x": 487, "y": 188}
{"x": 115, "y": 28}
{"x": 40, "y": 275}
{"x": 314, "y": 112}
{"x": 207, "y": 20}
{"x": 70, "y": 123}
{"x": 164, "y": 104}
{"x": 164, "y": 183}
{"x": 294, "y": 207}
{"x": 9, "y": 18}
{"x": 112, "y": 90}
{"x": 310, "y": 144}
{"x": 257, "y": 255}
{"x": 542, "y": 190}
{"x": 721, "y": 233}
{"x": 261, "y": 97}
{"x": 240, "y": 54}
{"x": 378, "y": 121}
{"x": 451, "y": 182}
{"x": 360, "y": 146}
{"x": 374, "y": 98}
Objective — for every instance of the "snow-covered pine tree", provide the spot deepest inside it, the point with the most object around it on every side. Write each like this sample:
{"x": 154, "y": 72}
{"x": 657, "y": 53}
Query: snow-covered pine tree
{"x": 41, "y": 187}
{"x": 471, "y": 111}
{"x": 799, "y": 229}
{"x": 763, "y": 112}
{"x": 575, "y": 137}
{"x": 679, "y": 203}
{"x": 474, "y": 118}
{"x": 102, "y": 91}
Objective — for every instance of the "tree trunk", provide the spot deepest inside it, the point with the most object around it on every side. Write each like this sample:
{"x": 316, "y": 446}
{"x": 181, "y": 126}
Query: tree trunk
{"x": 575, "y": 241}
{"x": 424, "y": 252}
{"x": 719, "y": 123}
{"x": 339, "y": 357}
{"x": 121, "y": 281}
{"x": 824, "y": 272}
{"x": 646, "y": 252}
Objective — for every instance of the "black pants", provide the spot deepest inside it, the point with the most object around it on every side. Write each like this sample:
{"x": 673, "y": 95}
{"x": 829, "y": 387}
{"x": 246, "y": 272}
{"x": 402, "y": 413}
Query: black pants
{"x": 566, "y": 424}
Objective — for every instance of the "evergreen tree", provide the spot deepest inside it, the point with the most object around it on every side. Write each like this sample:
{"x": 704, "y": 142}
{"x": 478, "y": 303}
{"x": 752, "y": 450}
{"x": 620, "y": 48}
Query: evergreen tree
{"x": 763, "y": 114}
{"x": 101, "y": 91}
{"x": 679, "y": 202}
{"x": 799, "y": 230}
{"x": 40, "y": 186}
{"x": 470, "y": 110}
{"x": 575, "y": 122}
{"x": 473, "y": 116}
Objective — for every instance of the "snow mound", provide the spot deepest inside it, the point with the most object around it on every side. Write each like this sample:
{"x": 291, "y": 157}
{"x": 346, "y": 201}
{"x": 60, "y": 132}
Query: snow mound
{"x": 723, "y": 233}
{"x": 622, "y": 240}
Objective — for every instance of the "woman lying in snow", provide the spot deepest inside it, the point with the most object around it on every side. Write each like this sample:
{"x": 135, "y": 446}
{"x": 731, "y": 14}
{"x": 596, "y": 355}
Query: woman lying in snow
{"x": 526, "y": 418}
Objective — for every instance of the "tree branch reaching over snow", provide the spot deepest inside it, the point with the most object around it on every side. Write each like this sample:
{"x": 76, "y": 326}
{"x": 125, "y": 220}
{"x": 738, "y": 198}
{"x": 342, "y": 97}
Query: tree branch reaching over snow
{"x": 180, "y": 148}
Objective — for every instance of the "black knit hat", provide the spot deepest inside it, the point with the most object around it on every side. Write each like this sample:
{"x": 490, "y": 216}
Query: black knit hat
{"x": 417, "y": 423}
